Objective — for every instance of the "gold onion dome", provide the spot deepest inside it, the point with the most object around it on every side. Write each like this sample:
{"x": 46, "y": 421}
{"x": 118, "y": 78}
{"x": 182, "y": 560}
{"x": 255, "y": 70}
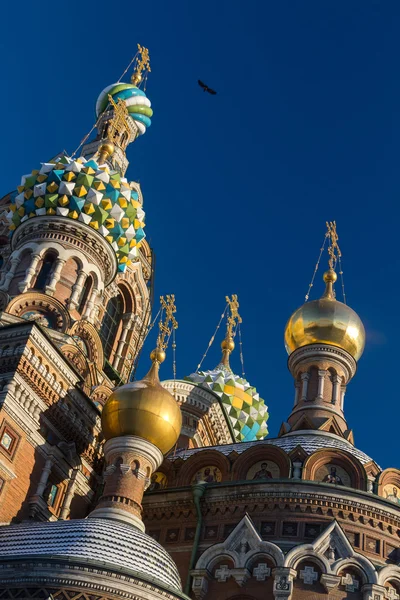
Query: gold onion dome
{"x": 145, "y": 409}
{"x": 326, "y": 321}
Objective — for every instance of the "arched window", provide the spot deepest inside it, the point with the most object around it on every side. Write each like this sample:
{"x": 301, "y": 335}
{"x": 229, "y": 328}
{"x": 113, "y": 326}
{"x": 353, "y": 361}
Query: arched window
{"x": 87, "y": 288}
{"x": 110, "y": 324}
{"x": 45, "y": 270}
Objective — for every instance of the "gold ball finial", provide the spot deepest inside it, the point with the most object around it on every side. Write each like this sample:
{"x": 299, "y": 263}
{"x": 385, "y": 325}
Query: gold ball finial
{"x": 136, "y": 78}
{"x": 330, "y": 276}
{"x": 228, "y": 344}
{"x": 106, "y": 150}
{"x": 157, "y": 355}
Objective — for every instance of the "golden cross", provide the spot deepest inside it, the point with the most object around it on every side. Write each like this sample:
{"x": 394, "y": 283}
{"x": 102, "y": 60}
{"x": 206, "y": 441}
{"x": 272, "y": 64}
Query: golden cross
{"x": 142, "y": 64}
{"x": 334, "y": 250}
{"x": 119, "y": 124}
{"x": 169, "y": 323}
{"x": 234, "y": 317}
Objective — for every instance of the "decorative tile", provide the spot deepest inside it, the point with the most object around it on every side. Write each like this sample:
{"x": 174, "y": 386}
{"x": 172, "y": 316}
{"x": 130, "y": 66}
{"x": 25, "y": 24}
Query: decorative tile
{"x": 289, "y": 529}
{"x": 267, "y": 528}
{"x": 240, "y": 401}
{"x": 70, "y": 190}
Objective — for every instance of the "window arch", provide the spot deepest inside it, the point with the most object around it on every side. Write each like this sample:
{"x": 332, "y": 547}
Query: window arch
{"x": 44, "y": 272}
{"x": 87, "y": 288}
{"x": 111, "y": 321}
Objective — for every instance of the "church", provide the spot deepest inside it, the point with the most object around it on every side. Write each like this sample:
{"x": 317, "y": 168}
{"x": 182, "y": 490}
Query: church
{"x": 113, "y": 487}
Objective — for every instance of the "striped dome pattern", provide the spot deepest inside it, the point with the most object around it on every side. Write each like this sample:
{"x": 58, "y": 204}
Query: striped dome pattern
{"x": 137, "y": 103}
{"x": 87, "y": 192}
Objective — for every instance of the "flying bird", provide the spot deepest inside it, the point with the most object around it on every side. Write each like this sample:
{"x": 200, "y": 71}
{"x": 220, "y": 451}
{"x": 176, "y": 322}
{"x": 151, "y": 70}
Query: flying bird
{"x": 206, "y": 88}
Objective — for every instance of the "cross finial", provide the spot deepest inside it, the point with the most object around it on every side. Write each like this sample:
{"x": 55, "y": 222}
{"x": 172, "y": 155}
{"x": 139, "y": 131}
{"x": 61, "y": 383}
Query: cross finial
{"x": 333, "y": 249}
{"x": 169, "y": 323}
{"x": 142, "y": 64}
{"x": 234, "y": 318}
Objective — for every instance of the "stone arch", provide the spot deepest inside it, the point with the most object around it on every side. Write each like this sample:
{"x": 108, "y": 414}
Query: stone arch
{"x": 389, "y": 478}
{"x": 360, "y": 564}
{"x": 330, "y": 378}
{"x": 44, "y": 269}
{"x": 68, "y": 277}
{"x": 25, "y": 258}
{"x": 41, "y": 304}
{"x": 389, "y": 574}
{"x": 307, "y": 552}
{"x": 261, "y": 452}
{"x": 341, "y": 458}
{"x": 88, "y": 333}
{"x": 100, "y": 394}
{"x": 201, "y": 460}
{"x": 312, "y": 389}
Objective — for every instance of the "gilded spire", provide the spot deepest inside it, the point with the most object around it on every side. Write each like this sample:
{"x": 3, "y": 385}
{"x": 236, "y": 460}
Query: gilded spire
{"x": 228, "y": 345}
{"x": 166, "y": 324}
{"x": 335, "y": 254}
{"x": 142, "y": 63}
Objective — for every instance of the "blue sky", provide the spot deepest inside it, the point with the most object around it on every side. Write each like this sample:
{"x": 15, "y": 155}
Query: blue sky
{"x": 237, "y": 187}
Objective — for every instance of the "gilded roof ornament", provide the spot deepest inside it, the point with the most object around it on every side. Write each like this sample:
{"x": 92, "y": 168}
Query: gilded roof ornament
{"x": 142, "y": 63}
{"x": 233, "y": 320}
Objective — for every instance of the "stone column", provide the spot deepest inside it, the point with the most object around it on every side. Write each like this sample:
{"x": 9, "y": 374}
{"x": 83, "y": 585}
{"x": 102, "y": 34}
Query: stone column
{"x": 90, "y": 305}
{"x": 304, "y": 388}
{"x": 283, "y": 582}
{"x": 297, "y": 469}
{"x": 372, "y": 591}
{"x": 337, "y": 380}
{"x": 31, "y": 270}
{"x": 342, "y": 393}
{"x": 44, "y": 477}
{"x": 127, "y": 321}
{"x": 126, "y": 481}
{"x": 69, "y": 494}
{"x": 77, "y": 289}
{"x": 297, "y": 386}
{"x": 321, "y": 383}
{"x": 55, "y": 276}
{"x": 11, "y": 272}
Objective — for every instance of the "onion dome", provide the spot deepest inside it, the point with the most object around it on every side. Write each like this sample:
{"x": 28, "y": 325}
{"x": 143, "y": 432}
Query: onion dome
{"x": 144, "y": 409}
{"x": 88, "y": 191}
{"x": 136, "y": 101}
{"x": 246, "y": 412}
{"x": 326, "y": 321}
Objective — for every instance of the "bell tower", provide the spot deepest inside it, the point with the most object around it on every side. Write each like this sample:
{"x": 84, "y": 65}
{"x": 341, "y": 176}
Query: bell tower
{"x": 324, "y": 338}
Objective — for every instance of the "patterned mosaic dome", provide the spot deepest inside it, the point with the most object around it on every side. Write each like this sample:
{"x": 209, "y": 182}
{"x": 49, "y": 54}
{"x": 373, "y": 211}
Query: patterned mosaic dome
{"x": 87, "y": 192}
{"x": 137, "y": 103}
{"x": 241, "y": 403}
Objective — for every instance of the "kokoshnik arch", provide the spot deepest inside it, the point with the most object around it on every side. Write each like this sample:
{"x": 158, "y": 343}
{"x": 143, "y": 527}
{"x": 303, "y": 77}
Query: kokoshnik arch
{"x": 111, "y": 488}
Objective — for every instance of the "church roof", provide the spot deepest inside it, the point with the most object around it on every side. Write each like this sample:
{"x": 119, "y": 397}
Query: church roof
{"x": 310, "y": 442}
{"x": 118, "y": 544}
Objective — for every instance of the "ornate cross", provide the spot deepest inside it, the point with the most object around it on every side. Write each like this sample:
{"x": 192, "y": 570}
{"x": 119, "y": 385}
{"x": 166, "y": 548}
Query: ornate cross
{"x": 261, "y": 572}
{"x": 169, "y": 323}
{"x": 222, "y": 573}
{"x": 308, "y": 575}
{"x": 351, "y": 584}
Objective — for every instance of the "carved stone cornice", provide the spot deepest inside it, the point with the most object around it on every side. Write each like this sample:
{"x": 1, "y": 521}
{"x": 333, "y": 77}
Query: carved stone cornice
{"x": 74, "y": 233}
{"x": 333, "y": 354}
{"x": 221, "y": 500}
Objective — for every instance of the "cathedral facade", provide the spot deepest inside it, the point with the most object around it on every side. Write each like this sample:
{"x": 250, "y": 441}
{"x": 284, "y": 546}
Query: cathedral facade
{"x": 112, "y": 487}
